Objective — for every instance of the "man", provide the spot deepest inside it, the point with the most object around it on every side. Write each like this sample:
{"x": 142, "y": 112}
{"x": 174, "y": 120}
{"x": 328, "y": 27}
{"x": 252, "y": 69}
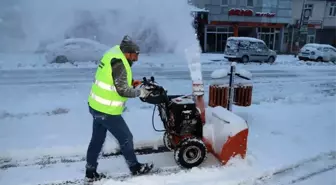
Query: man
{"x": 109, "y": 93}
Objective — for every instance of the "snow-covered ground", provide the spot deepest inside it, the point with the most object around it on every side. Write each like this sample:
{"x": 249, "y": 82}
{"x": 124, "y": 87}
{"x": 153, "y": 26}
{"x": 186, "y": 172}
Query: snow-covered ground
{"x": 45, "y": 126}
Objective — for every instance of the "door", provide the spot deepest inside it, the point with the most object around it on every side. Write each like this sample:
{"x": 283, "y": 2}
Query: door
{"x": 310, "y": 38}
{"x": 271, "y": 41}
{"x": 262, "y": 52}
{"x": 333, "y": 54}
{"x": 220, "y": 44}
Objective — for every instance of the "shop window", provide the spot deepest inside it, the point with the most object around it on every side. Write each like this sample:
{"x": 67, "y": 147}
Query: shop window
{"x": 332, "y": 9}
{"x": 222, "y": 29}
{"x": 311, "y": 31}
{"x": 311, "y": 39}
{"x": 230, "y": 29}
{"x": 286, "y": 38}
{"x": 249, "y": 2}
{"x": 224, "y": 2}
{"x": 211, "y": 28}
{"x": 211, "y": 42}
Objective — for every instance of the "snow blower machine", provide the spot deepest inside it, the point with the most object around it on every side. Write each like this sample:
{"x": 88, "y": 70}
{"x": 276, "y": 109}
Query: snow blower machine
{"x": 190, "y": 131}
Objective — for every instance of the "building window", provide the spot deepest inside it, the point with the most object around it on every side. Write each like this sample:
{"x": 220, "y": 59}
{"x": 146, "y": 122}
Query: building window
{"x": 309, "y": 7}
{"x": 332, "y": 9}
{"x": 224, "y": 2}
{"x": 249, "y": 2}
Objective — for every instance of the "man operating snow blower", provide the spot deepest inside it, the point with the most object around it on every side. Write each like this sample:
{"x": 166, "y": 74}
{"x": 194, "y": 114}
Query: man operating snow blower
{"x": 112, "y": 87}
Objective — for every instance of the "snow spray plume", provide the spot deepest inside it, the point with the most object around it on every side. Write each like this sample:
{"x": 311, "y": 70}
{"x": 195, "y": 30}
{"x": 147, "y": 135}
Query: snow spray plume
{"x": 160, "y": 25}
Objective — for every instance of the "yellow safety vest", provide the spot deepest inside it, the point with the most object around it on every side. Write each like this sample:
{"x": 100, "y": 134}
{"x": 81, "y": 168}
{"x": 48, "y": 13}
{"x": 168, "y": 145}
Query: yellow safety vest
{"x": 103, "y": 96}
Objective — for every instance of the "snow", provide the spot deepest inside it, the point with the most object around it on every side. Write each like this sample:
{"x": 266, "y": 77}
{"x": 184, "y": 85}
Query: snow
{"x": 219, "y": 73}
{"x": 244, "y": 73}
{"x": 31, "y": 23}
{"x": 222, "y": 73}
{"x": 220, "y": 125}
{"x": 251, "y": 39}
{"x": 45, "y": 125}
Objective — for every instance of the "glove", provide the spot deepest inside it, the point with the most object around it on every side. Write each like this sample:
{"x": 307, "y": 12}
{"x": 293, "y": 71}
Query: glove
{"x": 143, "y": 92}
{"x": 136, "y": 83}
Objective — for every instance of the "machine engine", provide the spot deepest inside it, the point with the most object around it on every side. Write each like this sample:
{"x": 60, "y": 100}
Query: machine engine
{"x": 184, "y": 117}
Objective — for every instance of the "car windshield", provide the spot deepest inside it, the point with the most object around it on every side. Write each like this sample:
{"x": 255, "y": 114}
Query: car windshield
{"x": 231, "y": 44}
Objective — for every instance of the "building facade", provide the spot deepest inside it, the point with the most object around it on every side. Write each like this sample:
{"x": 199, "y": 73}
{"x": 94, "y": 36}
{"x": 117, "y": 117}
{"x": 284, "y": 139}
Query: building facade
{"x": 321, "y": 23}
{"x": 263, "y": 19}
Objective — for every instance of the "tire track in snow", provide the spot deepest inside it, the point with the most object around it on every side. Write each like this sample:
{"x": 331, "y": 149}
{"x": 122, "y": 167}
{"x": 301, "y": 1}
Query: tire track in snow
{"x": 290, "y": 174}
{"x": 302, "y": 170}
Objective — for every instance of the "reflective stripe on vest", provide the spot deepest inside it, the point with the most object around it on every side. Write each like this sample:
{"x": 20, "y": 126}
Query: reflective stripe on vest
{"x": 104, "y": 96}
{"x": 105, "y": 86}
{"x": 106, "y": 102}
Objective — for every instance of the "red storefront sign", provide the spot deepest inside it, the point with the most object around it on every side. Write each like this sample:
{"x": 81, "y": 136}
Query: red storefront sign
{"x": 249, "y": 13}
{"x": 264, "y": 14}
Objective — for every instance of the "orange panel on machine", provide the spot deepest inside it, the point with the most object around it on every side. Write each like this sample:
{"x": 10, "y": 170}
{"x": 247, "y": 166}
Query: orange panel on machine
{"x": 236, "y": 145}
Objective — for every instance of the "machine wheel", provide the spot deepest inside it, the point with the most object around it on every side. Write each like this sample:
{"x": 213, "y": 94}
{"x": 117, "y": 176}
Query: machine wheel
{"x": 166, "y": 141}
{"x": 190, "y": 152}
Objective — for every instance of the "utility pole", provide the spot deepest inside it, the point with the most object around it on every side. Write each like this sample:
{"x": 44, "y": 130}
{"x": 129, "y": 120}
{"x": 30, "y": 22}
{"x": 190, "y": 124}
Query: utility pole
{"x": 305, "y": 13}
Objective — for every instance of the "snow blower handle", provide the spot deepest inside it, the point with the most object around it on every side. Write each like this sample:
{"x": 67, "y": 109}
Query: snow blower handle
{"x": 157, "y": 93}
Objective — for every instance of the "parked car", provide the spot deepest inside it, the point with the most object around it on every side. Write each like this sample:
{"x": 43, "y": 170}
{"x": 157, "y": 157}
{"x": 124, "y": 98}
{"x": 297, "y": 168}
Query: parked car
{"x": 317, "y": 52}
{"x": 73, "y": 49}
{"x": 245, "y": 49}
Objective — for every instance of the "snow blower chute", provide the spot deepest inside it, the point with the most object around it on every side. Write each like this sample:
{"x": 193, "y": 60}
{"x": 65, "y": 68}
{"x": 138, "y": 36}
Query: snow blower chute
{"x": 191, "y": 130}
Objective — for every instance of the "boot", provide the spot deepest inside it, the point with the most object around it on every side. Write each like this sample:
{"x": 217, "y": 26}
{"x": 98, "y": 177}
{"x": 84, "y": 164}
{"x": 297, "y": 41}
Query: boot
{"x": 141, "y": 169}
{"x": 91, "y": 175}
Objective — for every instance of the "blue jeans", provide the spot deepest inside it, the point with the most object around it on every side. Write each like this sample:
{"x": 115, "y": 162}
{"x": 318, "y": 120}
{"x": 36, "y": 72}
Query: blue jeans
{"x": 119, "y": 129}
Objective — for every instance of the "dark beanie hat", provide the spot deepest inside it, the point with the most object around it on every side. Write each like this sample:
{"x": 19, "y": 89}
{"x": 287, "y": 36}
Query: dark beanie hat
{"x": 127, "y": 45}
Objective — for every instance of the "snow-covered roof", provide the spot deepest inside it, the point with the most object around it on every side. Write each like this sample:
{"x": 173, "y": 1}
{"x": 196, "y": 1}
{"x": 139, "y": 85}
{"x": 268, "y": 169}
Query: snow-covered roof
{"x": 246, "y": 38}
{"x": 317, "y": 45}
{"x": 196, "y": 9}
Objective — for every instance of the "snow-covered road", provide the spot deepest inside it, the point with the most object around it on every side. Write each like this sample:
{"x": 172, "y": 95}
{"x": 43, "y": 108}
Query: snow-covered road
{"x": 45, "y": 126}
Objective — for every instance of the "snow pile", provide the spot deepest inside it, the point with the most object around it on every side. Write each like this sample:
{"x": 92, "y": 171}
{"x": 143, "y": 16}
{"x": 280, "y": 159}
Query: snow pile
{"x": 27, "y": 24}
{"x": 220, "y": 125}
{"x": 219, "y": 73}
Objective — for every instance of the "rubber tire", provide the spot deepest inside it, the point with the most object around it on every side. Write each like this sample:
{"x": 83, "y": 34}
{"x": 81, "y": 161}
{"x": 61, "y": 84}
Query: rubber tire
{"x": 319, "y": 59}
{"x": 166, "y": 142}
{"x": 268, "y": 60}
{"x": 182, "y": 147}
{"x": 61, "y": 59}
{"x": 242, "y": 59}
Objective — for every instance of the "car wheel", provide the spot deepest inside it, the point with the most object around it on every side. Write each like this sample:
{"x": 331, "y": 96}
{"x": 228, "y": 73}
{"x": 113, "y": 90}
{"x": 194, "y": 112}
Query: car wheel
{"x": 245, "y": 59}
{"x": 271, "y": 60}
{"x": 319, "y": 59}
{"x": 61, "y": 59}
